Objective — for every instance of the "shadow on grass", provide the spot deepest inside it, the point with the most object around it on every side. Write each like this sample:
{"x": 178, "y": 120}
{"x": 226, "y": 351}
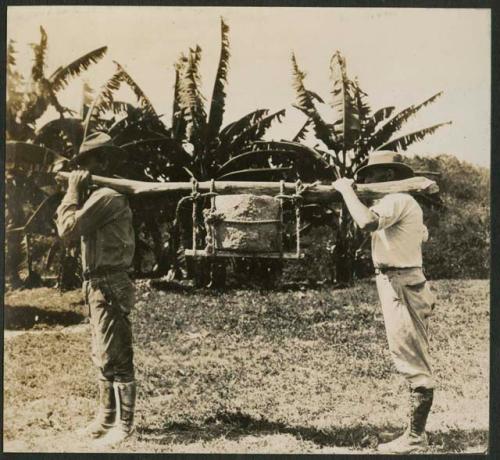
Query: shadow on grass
{"x": 184, "y": 288}
{"x": 26, "y": 317}
{"x": 235, "y": 425}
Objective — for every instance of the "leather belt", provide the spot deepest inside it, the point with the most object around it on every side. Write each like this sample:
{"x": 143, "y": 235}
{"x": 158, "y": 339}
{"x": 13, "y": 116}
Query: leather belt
{"x": 384, "y": 270}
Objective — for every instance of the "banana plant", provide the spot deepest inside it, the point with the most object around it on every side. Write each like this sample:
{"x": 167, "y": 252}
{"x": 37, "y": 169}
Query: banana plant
{"x": 24, "y": 108}
{"x": 235, "y": 151}
{"x": 27, "y": 183}
{"x": 352, "y": 132}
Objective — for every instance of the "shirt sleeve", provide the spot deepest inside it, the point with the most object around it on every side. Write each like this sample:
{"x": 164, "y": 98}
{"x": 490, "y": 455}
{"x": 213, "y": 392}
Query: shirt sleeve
{"x": 390, "y": 209}
{"x": 98, "y": 210}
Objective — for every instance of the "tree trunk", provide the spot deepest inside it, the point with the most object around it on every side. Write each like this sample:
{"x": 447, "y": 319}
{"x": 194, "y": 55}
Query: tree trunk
{"x": 343, "y": 254}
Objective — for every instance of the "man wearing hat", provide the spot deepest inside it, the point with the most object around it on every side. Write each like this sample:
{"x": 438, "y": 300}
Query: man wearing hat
{"x": 102, "y": 218}
{"x": 397, "y": 230}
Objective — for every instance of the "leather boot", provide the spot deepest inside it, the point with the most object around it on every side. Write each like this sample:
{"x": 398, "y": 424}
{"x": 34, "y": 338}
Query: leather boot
{"x": 125, "y": 394}
{"x": 106, "y": 416}
{"x": 414, "y": 438}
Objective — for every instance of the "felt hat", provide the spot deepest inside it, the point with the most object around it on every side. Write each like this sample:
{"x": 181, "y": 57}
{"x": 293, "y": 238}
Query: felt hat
{"x": 385, "y": 158}
{"x": 99, "y": 143}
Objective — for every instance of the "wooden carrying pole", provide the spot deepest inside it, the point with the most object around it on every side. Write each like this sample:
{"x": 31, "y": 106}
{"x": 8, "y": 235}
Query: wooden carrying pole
{"x": 312, "y": 193}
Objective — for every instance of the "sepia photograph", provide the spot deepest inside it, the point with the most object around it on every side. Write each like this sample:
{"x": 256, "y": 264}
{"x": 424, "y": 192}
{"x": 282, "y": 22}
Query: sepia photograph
{"x": 247, "y": 230}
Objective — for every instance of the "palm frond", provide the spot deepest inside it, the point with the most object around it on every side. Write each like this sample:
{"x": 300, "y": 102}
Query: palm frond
{"x": 332, "y": 158}
{"x": 237, "y": 127}
{"x": 103, "y": 101}
{"x": 178, "y": 120}
{"x": 295, "y": 147}
{"x": 248, "y": 174}
{"x": 137, "y": 125}
{"x": 191, "y": 99}
{"x": 15, "y": 86}
{"x": 11, "y": 58}
{"x": 121, "y": 107}
{"x": 29, "y": 158}
{"x": 305, "y": 103}
{"x": 69, "y": 130}
{"x": 386, "y": 131}
{"x": 403, "y": 142}
{"x": 364, "y": 113}
{"x": 124, "y": 134}
{"x": 255, "y": 131}
{"x": 38, "y": 221}
{"x": 315, "y": 96}
{"x": 40, "y": 49}
{"x": 381, "y": 115}
{"x": 219, "y": 95}
{"x": 279, "y": 154}
{"x": 11, "y": 51}
{"x": 60, "y": 78}
{"x": 168, "y": 148}
{"x": 301, "y": 134}
{"x": 362, "y": 106}
{"x": 143, "y": 100}
{"x": 344, "y": 102}
{"x": 87, "y": 98}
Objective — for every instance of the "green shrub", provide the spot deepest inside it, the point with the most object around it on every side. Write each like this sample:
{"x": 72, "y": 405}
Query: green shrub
{"x": 459, "y": 231}
{"x": 459, "y": 228}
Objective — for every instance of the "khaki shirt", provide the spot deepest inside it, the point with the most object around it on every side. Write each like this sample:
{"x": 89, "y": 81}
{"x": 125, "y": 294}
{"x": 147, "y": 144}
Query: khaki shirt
{"x": 104, "y": 224}
{"x": 397, "y": 242}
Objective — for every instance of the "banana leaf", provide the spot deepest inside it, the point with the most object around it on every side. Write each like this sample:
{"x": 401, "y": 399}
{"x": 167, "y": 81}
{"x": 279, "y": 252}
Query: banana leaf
{"x": 31, "y": 158}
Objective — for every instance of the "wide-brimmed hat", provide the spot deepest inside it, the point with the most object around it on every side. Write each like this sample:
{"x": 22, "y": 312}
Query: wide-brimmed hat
{"x": 381, "y": 158}
{"x": 99, "y": 143}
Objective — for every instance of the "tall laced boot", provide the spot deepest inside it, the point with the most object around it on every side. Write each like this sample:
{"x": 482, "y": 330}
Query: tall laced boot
{"x": 106, "y": 416}
{"x": 124, "y": 426}
{"x": 414, "y": 438}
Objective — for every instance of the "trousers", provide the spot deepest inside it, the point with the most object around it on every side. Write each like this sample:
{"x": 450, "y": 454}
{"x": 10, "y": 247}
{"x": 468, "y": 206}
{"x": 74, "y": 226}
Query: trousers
{"x": 407, "y": 304}
{"x": 109, "y": 299}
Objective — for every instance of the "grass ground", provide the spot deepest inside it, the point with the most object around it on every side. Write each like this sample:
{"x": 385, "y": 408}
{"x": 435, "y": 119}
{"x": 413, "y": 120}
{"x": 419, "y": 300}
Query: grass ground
{"x": 246, "y": 371}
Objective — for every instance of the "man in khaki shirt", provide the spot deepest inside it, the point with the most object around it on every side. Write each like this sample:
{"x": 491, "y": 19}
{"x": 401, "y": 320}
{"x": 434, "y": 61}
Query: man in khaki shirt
{"x": 398, "y": 231}
{"x": 103, "y": 222}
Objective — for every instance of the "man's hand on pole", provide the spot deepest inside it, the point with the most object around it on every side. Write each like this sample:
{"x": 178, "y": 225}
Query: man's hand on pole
{"x": 361, "y": 214}
{"x": 343, "y": 184}
{"x": 78, "y": 182}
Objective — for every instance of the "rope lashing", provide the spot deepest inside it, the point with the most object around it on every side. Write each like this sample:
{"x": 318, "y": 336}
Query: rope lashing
{"x": 210, "y": 243}
{"x": 212, "y": 217}
{"x": 194, "y": 196}
{"x": 297, "y": 199}
{"x": 299, "y": 189}
{"x": 281, "y": 224}
{"x": 207, "y": 195}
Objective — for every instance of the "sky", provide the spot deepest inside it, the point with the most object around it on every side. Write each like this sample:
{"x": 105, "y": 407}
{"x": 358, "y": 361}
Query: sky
{"x": 400, "y": 57}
